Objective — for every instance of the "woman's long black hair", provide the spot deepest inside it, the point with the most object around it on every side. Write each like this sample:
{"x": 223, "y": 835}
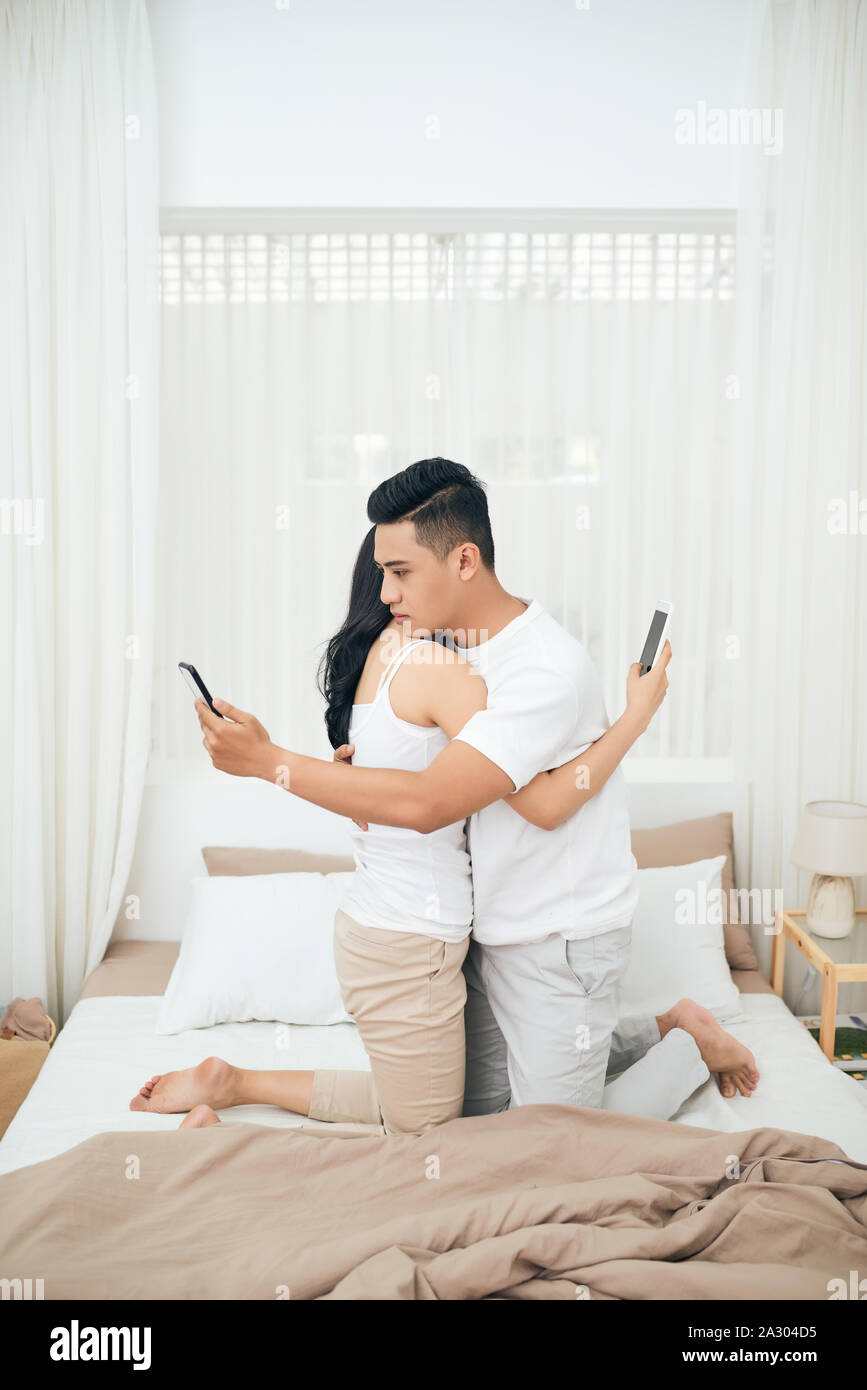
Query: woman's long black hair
{"x": 344, "y": 657}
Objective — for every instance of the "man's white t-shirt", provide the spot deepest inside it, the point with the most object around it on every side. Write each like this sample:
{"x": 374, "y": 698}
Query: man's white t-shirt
{"x": 544, "y": 707}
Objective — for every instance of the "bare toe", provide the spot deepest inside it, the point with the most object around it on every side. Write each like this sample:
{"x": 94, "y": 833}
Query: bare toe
{"x": 199, "y": 1118}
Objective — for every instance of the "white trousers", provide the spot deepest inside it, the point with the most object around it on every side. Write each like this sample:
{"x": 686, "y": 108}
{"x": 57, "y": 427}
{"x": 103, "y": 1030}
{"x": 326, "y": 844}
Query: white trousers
{"x": 542, "y": 1027}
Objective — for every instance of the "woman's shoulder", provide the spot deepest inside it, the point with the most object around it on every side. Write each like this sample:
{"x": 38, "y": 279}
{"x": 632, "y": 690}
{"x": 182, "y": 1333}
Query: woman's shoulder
{"x": 428, "y": 652}
{"x": 422, "y": 654}
{"x": 431, "y": 665}
{"x": 435, "y": 684}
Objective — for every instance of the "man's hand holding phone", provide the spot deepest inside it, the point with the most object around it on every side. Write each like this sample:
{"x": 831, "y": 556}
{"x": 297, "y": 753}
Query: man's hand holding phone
{"x": 234, "y": 739}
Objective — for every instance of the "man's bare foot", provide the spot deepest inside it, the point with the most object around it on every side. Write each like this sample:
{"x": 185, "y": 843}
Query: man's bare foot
{"x": 734, "y": 1064}
{"x": 210, "y": 1083}
{"x": 199, "y": 1117}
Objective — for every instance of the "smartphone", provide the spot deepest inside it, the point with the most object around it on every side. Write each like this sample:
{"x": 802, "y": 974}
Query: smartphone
{"x": 655, "y": 634}
{"x": 197, "y": 685}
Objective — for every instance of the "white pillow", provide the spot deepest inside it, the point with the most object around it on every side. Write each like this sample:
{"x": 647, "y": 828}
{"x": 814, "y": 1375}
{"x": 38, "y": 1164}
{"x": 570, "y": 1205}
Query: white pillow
{"x": 257, "y": 947}
{"x": 677, "y": 943}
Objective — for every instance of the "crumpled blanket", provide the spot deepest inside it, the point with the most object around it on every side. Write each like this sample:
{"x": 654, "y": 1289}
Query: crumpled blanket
{"x": 540, "y": 1202}
{"x": 26, "y": 1018}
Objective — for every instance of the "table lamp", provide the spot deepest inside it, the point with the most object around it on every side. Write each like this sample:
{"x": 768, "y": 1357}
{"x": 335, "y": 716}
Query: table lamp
{"x": 831, "y": 839}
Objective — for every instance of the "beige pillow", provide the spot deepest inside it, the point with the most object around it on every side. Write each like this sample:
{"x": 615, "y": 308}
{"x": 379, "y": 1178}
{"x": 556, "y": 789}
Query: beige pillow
{"x": 227, "y": 860}
{"x": 686, "y": 842}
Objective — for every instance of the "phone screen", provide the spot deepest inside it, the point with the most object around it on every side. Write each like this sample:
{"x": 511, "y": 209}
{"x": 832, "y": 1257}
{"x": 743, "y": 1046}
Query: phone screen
{"x": 651, "y": 645}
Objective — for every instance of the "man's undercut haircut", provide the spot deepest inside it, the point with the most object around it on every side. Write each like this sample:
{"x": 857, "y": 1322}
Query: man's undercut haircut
{"x": 445, "y": 502}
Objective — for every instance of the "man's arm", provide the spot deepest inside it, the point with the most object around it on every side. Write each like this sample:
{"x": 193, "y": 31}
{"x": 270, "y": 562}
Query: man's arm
{"x": 459, "y": 781}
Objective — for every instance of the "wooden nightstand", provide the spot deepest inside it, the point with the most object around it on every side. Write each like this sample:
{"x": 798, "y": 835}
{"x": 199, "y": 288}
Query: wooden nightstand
{"x": 838, "y": 960}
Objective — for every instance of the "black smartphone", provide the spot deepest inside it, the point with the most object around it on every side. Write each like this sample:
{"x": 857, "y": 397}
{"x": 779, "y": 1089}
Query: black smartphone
{"x": 197, "y": 685}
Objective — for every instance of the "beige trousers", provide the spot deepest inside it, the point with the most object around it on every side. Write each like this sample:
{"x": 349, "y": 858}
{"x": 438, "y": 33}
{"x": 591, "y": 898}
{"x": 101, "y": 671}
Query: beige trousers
{"x": 406, "y": 993}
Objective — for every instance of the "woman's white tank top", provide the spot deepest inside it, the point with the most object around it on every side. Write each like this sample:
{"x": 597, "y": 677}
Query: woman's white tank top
{"x": 403, "y": 880}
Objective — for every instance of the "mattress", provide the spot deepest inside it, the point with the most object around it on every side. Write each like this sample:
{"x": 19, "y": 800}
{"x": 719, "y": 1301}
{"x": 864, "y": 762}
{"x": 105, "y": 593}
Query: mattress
{"x": 108, "y": 1048}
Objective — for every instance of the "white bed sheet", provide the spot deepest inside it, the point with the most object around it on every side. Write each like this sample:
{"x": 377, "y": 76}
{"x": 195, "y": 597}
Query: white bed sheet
{"x": 108, "y": 1048}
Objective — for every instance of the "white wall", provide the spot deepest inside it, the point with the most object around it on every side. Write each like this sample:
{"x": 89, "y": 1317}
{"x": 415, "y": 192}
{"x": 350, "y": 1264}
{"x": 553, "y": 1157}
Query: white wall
{"x": 540, "y": 103}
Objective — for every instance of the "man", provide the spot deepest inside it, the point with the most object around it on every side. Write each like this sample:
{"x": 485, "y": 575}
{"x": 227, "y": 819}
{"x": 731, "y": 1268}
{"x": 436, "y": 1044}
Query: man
{"x": 552, "y": 907}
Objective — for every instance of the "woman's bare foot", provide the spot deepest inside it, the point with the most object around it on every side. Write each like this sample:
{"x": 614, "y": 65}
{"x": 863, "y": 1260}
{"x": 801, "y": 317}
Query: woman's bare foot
{"x": 210, "y": 1083}
{"x": 734, "y": 1064}
{"x": 199, "y": 1117}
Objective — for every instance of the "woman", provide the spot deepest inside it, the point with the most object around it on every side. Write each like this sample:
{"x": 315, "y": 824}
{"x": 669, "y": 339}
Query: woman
{"x": 403, "y": 930}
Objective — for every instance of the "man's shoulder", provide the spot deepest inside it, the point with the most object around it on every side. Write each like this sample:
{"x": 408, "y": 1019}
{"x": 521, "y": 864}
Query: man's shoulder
{"x": 555, "y": 649}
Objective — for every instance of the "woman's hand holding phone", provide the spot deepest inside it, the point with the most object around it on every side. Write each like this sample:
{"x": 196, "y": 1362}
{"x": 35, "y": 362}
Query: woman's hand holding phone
{"x": 644, "y": 694}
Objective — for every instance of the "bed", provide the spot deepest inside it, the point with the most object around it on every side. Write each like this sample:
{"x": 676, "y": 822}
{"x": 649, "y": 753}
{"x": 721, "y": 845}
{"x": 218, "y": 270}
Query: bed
{"x": 759, "y": 1197}
{"x": 108, "y": 1048}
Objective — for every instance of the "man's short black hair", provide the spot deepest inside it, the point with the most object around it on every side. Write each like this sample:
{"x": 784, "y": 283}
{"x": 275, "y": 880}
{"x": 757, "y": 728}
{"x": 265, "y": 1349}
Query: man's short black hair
{"x": 445, "y": 502}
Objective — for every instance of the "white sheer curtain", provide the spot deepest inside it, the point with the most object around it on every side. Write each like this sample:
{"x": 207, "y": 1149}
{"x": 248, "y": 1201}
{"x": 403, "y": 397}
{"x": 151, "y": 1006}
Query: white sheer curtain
{"x": 573, "y": 363}
{"x": 79, "y": 289}
{"x": 801, "y": 439}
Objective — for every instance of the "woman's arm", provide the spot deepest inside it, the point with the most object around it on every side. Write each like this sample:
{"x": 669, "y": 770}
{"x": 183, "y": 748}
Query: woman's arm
{"x": 553, "y": 797}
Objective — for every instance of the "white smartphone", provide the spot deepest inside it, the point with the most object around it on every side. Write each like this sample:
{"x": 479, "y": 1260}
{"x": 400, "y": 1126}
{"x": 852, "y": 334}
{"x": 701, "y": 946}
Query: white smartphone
{"x": 655, "y": 635}
{"x": 197, "y": 685}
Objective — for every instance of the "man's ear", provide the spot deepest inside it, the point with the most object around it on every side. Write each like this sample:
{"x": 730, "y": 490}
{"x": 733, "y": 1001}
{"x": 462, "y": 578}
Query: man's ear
{"x": 469, "y": 559}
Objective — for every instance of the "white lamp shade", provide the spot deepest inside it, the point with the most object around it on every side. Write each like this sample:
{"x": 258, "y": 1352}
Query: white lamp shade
{"x": 832, "y": 838}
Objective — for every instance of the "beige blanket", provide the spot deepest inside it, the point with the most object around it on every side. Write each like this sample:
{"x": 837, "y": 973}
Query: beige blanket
{"x": 541, "y": 1202}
